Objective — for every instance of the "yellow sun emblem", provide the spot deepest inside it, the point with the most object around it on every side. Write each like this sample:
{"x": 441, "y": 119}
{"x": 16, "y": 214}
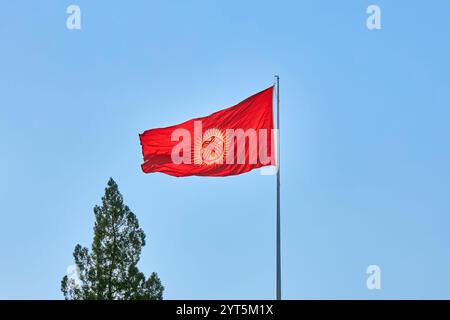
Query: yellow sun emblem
{"x": 211, "y": 148}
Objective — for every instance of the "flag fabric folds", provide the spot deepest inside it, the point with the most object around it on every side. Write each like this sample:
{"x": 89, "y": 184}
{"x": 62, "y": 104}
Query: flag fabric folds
{"x": 228, "y": 142}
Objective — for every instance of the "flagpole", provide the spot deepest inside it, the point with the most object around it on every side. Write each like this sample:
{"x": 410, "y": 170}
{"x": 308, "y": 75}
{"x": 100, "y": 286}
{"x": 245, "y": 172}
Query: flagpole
{"x": 278, "y": 245}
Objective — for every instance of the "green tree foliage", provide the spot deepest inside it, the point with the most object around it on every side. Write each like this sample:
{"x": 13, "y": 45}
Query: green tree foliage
{"x": 109, "y": 271}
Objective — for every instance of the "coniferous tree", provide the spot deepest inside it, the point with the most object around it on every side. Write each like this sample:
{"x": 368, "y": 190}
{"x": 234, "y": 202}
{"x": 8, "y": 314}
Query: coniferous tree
{"x": 110, "y": 270}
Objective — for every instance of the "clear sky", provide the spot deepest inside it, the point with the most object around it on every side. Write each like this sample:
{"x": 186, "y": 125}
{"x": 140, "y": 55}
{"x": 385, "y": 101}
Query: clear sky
{"x": 365, "y": 143}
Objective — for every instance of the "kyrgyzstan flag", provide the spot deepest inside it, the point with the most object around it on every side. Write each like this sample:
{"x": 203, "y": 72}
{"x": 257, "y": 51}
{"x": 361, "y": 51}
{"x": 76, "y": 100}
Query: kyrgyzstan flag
{"x": 228, "y": 142}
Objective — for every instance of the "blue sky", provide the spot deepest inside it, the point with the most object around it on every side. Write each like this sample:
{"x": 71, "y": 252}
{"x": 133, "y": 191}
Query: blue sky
{"x": 365, "y": 143}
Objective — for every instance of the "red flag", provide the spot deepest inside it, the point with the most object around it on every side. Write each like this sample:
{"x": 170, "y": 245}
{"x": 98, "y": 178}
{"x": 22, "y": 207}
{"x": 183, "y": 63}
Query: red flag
{"x": 228, "y": 142}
